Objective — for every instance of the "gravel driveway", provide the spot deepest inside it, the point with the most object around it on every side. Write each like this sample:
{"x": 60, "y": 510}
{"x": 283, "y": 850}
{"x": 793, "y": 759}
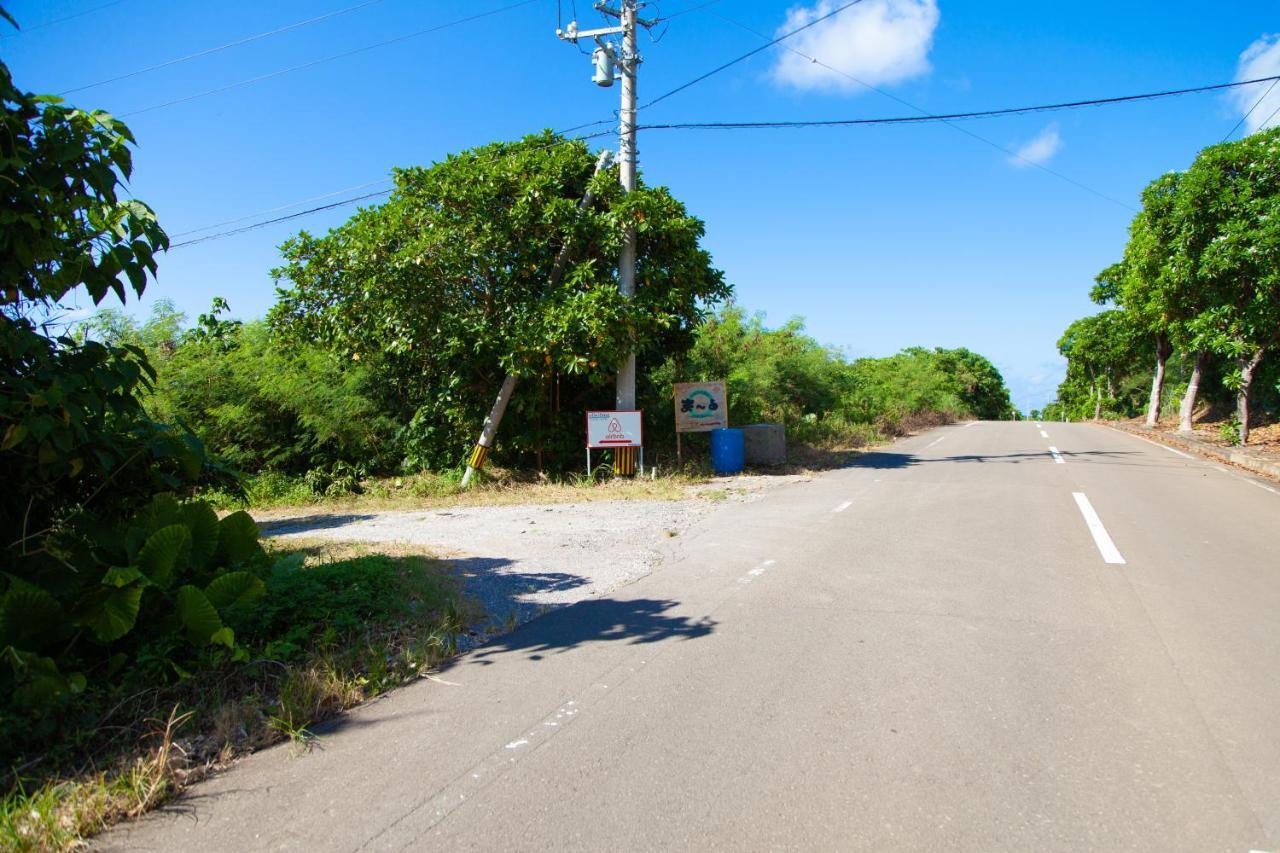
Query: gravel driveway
{"x": 520, "y": 561}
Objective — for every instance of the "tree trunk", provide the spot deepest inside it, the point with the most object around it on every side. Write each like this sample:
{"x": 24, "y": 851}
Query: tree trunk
{"x": 1163, "y": 350}
{"x": 1097, "y": 402}
{"x": 1247, "y": 369}
{"x": 1193, "y": 388}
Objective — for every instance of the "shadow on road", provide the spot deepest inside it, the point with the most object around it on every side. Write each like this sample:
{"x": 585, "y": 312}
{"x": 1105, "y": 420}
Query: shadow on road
{"x": 883, "y": 460}
{"x": 630, "y": 621}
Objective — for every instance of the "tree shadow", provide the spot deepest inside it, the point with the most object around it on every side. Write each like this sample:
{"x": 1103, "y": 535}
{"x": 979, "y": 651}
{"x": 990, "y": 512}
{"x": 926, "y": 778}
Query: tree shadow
{"x": 882, "y": 460}
{"x": 309, "y": 523}
{"x": 507, "y": 595}
{"x": 598, "y": 620}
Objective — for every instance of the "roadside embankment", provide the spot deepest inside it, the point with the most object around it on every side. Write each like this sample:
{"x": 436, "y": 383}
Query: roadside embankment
{"x": 1241, "y": 458}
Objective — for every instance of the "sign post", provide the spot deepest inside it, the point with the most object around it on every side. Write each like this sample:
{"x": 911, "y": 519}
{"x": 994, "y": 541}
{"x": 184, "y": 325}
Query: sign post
{"x": 700, "y": 407}
{"x": 619, "y": 431}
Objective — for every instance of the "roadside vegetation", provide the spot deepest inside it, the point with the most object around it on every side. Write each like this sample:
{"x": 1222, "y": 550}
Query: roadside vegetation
{"x": 147, "y": 634}
{"x": 1195, "y": 325}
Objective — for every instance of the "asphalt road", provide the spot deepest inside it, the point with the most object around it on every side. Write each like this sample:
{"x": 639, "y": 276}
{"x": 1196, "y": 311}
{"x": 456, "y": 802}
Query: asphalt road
{"x": 933, "y": 650}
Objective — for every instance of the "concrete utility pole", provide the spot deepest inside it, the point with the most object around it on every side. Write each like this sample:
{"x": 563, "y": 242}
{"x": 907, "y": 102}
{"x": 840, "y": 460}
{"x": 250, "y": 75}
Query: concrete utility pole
{"x": 626, "y": 60}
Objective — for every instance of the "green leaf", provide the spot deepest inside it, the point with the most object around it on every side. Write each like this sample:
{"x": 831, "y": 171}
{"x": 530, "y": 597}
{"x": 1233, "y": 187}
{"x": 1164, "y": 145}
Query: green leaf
{"x": 225, "y": 636}
{"x": 163, "y": 551}
{"x": 13, "y": 436}
{"x": 111, "y": 615}
{"x": 288, "y": 564}
{"x": 121, "y": 576}
{"x": 237, "y": 539}
{"x": 42, "y": 685}
{"x": 30, "y": 618}
{"x": 198, "y": 615}
{"x": 202, "y": 522}
{"x": 235, "y": 589}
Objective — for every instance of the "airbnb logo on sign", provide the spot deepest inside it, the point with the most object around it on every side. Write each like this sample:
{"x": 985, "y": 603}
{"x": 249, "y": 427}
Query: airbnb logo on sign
{"x": 613, "y": 428}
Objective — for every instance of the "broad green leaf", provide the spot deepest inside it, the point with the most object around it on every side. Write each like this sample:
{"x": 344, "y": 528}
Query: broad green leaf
{"x": 42, "y": 685}
{"x": 237, "y": 539}
{"x": 163, "y": 511}
{"x": 225, "y": 636}
{"x": 30, "y": 618}
{"x": 164, "y": 550}
{"x": 198, "y": 615}
{"x": 113, "y": 614}
{"x": 119, "y": 576}
{"x": 202, "y": 522}
{"x": 235, "y": 589}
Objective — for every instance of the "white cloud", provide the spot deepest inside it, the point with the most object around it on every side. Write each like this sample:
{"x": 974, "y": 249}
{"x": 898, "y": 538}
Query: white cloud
{"x": 1039, "y": 150}
{"x": 877, "y": 41}
{"x": 1261, "y": 59}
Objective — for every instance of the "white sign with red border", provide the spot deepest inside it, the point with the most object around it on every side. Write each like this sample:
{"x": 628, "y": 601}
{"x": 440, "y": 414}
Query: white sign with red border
{"x": 614, "y": 429}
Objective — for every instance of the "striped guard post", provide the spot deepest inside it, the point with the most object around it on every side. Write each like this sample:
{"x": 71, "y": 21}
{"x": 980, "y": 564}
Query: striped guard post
{"x": 477, "y": 457}
{"x": 624, "y": 461}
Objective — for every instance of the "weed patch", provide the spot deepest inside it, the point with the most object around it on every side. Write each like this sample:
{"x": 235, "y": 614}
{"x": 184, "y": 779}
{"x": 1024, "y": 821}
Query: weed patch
{"x": 339, "y": 626}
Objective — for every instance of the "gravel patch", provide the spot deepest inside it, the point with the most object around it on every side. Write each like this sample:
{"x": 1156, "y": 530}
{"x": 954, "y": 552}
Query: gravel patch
{"x": 521, "y": 561}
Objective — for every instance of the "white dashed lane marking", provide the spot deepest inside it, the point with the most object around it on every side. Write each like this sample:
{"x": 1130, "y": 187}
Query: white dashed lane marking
{"x": 1057, "y": 457}
{"x": 1110, "y": 553}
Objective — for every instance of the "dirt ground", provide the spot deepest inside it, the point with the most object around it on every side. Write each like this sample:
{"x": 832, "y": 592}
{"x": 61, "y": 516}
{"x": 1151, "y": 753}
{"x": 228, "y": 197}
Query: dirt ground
{"x": 522, "y": 560}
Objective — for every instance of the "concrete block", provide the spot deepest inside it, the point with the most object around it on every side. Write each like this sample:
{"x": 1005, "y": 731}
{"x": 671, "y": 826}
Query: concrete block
{"x": 764, "y": 444}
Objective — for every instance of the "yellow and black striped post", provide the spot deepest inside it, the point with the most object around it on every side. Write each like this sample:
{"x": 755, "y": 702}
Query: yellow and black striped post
{"x": 624, "y": 461}
{"x": 478, "y": 454}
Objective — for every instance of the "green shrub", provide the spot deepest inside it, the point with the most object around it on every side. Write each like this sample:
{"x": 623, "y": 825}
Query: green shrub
{"x": 264, "y": 406}
{"x": 149, "y": 597}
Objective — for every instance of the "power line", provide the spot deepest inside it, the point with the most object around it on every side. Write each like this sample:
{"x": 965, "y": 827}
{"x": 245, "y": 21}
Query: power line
{"x": 921, "y": 119}
{"x": 267, "y": 222}
{"x": 279, "y": 208}
{"x": 1256, "y": 104}
{"x": 925, "y": 112}
{"x": 947, "y": 117}
{"x": 346, "y": 201}
{"x": 331, "y": 58}
{"x": 1274, "y": 113}
{"x": 686, "y": 11}
{"x": 63, "y": 20}
{"x": 748, "y": 54}
{"x": 246, "y": 40}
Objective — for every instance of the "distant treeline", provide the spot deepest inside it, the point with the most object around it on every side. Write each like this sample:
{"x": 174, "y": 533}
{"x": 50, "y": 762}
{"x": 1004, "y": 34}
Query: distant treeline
{"x": 1197, "y": 300}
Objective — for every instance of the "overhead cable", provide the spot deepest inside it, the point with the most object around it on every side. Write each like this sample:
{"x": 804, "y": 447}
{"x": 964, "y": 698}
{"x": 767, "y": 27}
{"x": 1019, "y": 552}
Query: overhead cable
{"x": 331, "y": 58}
{"x": 246, "y": 40}
{"x": 63, "y": 20}
{"x": 748, "y": 54}
{"x": 815, "y": 60}
{"x": 947, "y": 117}
{"x": 1256, "y": 104}
{"x": 346, "y": 201}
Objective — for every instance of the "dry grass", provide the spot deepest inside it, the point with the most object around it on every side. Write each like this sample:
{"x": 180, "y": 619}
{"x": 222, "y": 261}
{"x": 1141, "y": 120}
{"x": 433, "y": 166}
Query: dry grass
{"x": 58, "y": 815}
{"x": 499, "y": 489}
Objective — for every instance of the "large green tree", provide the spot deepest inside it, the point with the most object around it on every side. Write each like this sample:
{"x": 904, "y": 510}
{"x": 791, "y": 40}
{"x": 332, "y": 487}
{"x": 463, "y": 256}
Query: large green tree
{"x": 1229, "y": 211}
{"x": 447, "y": 288}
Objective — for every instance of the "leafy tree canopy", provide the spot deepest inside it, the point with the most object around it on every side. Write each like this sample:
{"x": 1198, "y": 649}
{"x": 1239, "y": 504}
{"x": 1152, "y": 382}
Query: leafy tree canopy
{"x": 447, "y": 286}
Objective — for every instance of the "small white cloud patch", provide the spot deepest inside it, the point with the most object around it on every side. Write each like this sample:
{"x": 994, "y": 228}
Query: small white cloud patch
{"x": 1260, "y": 59}
{"x": 877, "y": 41}
{"x": 1039, "y": 150}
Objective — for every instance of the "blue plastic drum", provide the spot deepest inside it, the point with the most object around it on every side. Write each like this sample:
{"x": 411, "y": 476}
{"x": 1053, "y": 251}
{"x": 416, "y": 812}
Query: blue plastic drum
{"x": 726, "y": 451}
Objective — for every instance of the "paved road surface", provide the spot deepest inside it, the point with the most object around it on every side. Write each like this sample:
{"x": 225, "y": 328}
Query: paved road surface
{"x": 928, "y": 651}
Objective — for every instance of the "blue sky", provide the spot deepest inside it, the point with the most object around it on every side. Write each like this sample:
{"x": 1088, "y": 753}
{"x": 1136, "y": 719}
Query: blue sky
{"x": 881, "y": 237}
